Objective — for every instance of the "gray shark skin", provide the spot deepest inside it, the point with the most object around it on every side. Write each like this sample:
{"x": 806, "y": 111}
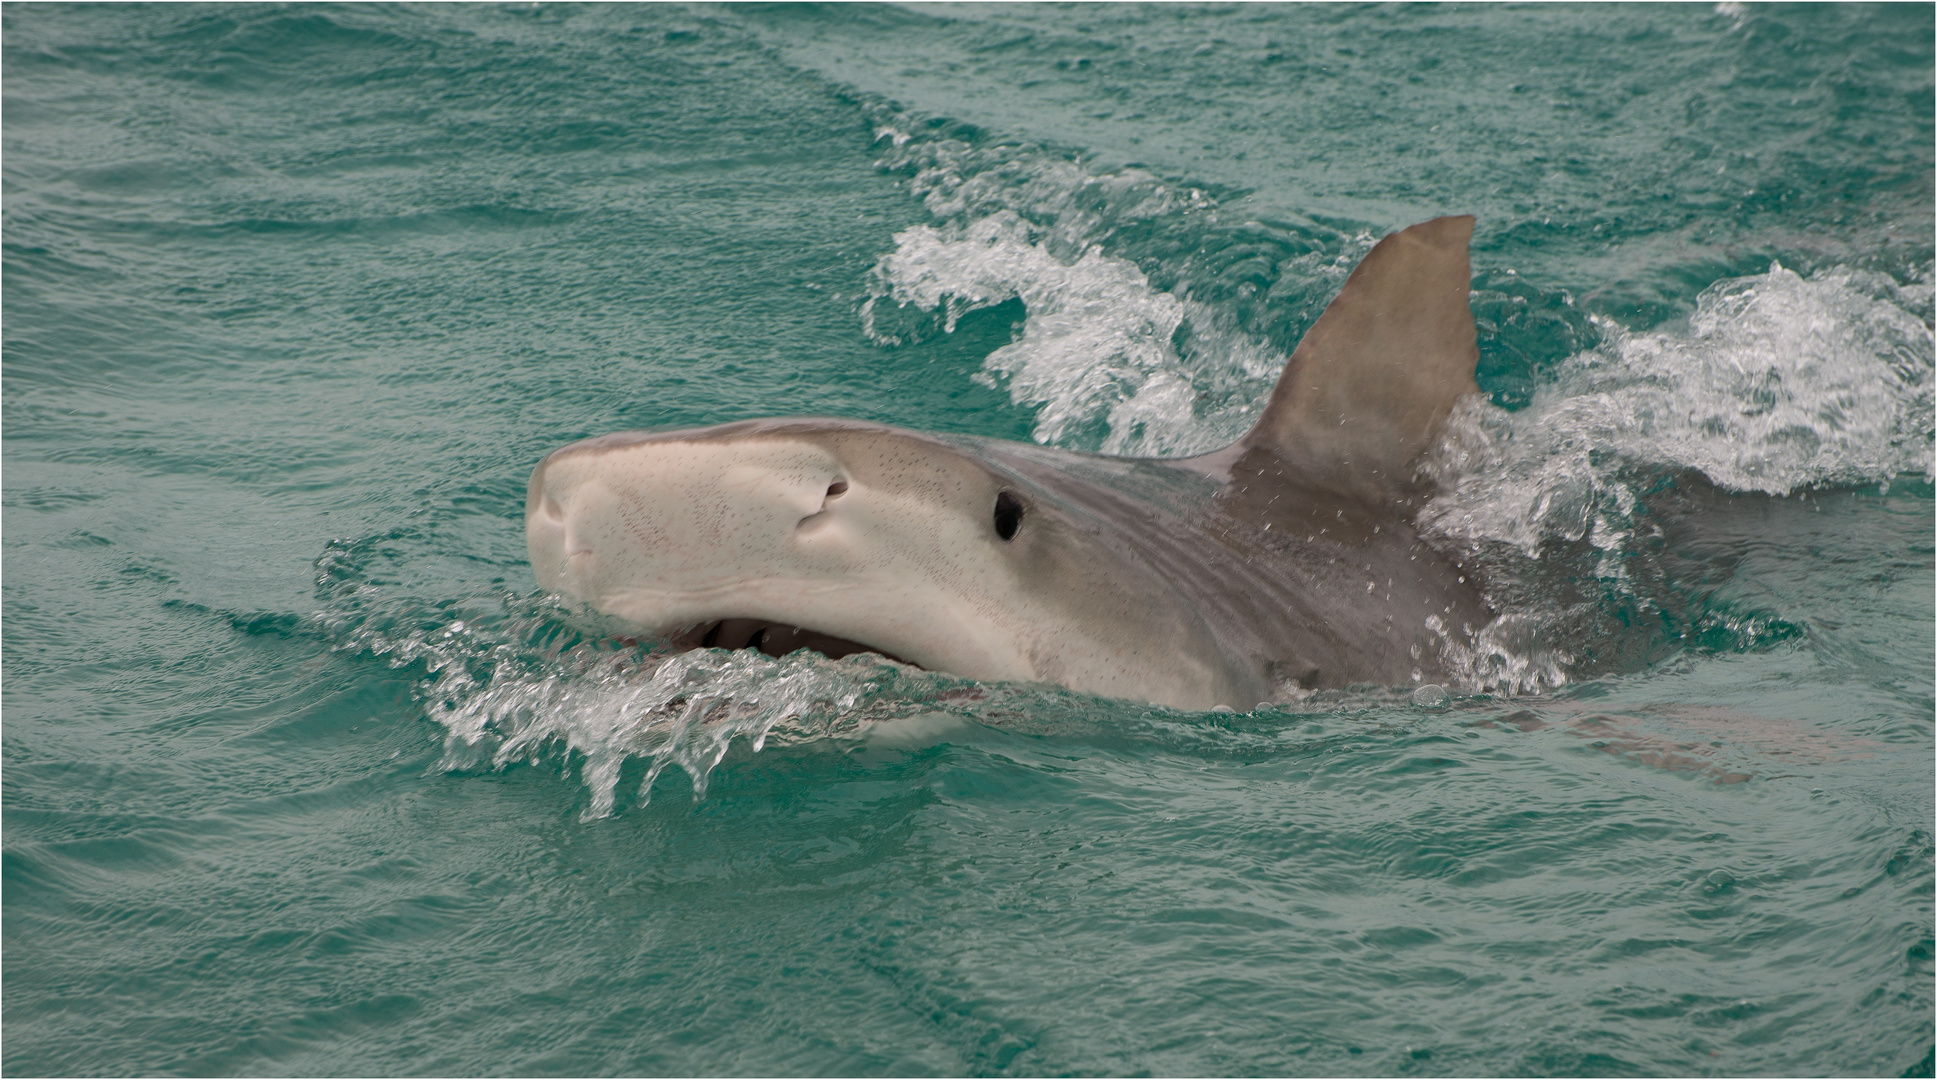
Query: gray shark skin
{"x": 1286, "y": 562}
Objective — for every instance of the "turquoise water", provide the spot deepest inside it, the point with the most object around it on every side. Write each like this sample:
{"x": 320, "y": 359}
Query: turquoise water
{"x": 302, "y": 774}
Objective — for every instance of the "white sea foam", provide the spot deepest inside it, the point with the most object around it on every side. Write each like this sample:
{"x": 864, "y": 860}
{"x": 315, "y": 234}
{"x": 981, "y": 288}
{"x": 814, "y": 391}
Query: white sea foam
{"x": 501, "y": 701}
{"x": 1506, "y": 656}
{"x": 1096, "y": 355}
{"x": 1777, "y": 383}
{"x": 684, "y": 710}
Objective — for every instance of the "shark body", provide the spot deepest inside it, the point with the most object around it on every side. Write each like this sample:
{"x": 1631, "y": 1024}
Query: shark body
{"x": 1288, "y": 560}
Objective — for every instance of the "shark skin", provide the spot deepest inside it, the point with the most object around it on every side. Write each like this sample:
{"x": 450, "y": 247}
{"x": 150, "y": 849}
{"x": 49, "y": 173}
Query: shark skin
{"x": 1286, "y": 562}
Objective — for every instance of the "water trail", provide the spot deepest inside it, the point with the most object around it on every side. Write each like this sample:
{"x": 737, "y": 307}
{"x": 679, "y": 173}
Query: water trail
{"x": 502, "y": 698}
{"x": 1777, "y": 384}
{"x": 1098, "y": 352}
{"x": 1109, "y": 359}
{"x": 516, "y": 678}
{"x": 683, "y": 709}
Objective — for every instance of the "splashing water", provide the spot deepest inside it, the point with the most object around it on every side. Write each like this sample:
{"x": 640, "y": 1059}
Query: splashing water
{"x": 1109, "y": 360}
{"x": 1098, "y": 350}
{"x": 1506, "y": 656}
{"x": 516, "y": 687}
{"x": 1775, "y": 383}
{"x": 1778, "y": 384}
{"x": 683, "y": 710}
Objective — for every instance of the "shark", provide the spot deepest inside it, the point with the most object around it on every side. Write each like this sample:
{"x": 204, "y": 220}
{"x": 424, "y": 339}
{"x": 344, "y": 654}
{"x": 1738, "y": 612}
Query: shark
{"x": 1288, "y": 562}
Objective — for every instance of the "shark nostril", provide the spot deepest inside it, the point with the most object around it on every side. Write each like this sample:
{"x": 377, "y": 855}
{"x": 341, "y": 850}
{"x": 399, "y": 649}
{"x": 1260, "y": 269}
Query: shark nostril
{"x": 814, "y": 521}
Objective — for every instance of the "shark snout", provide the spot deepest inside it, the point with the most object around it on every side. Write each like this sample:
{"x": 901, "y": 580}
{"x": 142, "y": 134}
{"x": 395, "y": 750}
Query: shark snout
{"x": 678, "y": 519}
{"x": 562, "y": 552}
{"x": 575, "y": 545}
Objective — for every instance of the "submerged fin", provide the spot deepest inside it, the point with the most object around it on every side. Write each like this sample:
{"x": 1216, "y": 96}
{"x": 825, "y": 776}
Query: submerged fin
{"x": 1367, "y": 392}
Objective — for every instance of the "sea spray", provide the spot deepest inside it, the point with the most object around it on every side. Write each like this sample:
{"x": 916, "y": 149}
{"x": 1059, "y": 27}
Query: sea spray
{"x": 521, "y": 677}
{"x": 1109, "y": 357}
{"x": 1777, "y": 384}
{"x": 683, "y": 709}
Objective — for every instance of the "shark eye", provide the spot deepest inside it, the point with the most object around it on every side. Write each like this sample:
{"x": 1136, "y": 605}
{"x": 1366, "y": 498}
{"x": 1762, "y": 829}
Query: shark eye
{"x": 1008, "y": 515}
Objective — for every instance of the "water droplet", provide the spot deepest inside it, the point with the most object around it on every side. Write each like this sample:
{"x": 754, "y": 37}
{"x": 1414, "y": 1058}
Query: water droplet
{"x": 1431, "y": 696}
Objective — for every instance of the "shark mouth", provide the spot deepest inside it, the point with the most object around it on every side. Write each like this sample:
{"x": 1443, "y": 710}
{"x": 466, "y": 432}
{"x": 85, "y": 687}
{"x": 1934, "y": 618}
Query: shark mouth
{"x": 774, "y": 639}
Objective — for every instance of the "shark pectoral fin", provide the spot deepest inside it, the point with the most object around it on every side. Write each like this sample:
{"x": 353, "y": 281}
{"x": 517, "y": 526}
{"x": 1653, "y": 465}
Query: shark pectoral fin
{"x": 1366, "y": 393}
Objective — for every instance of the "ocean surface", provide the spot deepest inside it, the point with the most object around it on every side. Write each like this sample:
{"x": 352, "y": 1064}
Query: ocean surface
{"x": 303, "y": 774}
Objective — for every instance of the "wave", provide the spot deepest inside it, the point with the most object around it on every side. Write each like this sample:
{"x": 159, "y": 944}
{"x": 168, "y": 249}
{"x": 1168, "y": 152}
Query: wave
{"x": 1777, "y": 384}
{"x": 525, "y": 679}
{"x": 684, "y": 709}
{"x": 1108, "y": 358}
{"x": 1156, "y": 321}
{"x": 1158, "y": 318}
{"x": 1098, "y": 357}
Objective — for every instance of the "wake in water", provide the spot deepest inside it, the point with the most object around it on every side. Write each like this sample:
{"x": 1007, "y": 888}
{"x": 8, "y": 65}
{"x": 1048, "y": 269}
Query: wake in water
{"x": 1099, "y": 352}
{"x": 1108, "y": 359}
{"x": 1777, "y": 384}
{"x": 1155, "y": 326}
{"x": 518, "y": 679}
{"x": 683, "y": 709}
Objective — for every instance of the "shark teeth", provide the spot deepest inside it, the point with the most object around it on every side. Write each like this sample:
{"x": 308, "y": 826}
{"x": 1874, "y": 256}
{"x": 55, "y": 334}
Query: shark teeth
{"x": 772, "y": 638}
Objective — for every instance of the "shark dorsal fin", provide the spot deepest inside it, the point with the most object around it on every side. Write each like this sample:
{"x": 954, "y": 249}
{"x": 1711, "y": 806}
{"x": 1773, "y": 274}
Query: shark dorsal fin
{"x": 1366, "y": 393}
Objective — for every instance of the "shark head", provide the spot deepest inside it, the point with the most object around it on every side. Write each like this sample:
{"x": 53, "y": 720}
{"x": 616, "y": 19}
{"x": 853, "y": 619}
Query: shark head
{"x": 1288, "y": 558}
{"x": 846, "y": 537}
